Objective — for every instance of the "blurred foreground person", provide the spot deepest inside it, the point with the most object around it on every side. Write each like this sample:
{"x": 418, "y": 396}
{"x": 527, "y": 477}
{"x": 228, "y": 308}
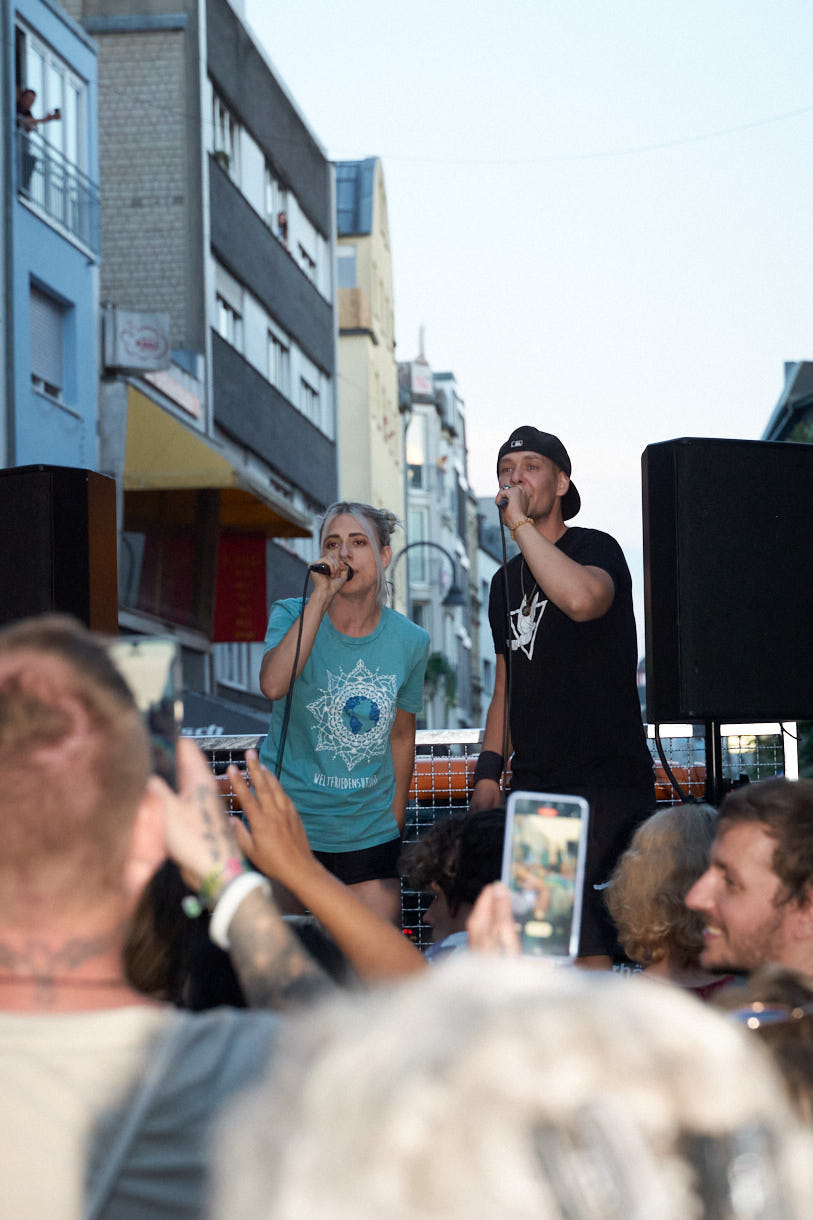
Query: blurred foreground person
{"x": 656, "y": 929}
{"x": 777, "y": 1005}
{"x": 108, "y": 1096}
{"x": 503, "y": 1088}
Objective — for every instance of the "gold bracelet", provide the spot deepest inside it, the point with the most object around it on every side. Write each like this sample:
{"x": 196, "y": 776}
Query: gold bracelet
{"x": 524, "y": 521}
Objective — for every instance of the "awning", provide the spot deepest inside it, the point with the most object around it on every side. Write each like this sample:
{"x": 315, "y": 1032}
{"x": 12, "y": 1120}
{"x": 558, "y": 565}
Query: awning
{"x": 163, "y": 454}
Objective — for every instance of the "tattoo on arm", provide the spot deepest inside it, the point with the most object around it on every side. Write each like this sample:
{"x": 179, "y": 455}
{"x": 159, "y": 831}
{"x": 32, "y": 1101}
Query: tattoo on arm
{"x": 209, "y": 836}
{"x": 273, "y": 969}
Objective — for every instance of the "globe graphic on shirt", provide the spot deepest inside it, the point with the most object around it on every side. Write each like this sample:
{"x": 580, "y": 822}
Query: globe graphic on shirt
{"x": 354, "y": 714}
{"x": 360, "y": 713}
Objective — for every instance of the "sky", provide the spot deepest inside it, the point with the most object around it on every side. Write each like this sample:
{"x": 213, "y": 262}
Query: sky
{"x": 600, "y": 212}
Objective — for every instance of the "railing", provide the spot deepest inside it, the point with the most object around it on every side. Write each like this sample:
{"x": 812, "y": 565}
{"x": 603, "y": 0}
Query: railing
{"x": 54, "y": 184}
{"x": 445, "y": 760}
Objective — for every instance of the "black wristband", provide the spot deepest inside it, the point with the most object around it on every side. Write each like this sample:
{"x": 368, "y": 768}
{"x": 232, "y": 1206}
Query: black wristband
{"x": 488, "y": 766}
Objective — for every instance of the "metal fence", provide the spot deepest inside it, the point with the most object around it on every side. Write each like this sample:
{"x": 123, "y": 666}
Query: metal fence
{"x": 444, "y": 761}
{"x": 54, "y": 184}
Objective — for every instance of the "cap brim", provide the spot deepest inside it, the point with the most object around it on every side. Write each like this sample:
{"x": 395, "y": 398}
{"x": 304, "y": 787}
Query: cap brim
{"x": 571, "y": 502}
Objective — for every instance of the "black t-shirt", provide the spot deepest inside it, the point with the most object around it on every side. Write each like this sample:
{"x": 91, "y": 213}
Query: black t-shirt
{"x": 575, "y": 716}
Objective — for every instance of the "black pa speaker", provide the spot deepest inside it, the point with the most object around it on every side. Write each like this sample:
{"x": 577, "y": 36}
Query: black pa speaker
{"x": 58, "y": 545}
{"x": 728, "y": 580}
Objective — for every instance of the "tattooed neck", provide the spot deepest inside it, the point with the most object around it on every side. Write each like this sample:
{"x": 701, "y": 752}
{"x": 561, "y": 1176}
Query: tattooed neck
{"x": 47, "y": 968}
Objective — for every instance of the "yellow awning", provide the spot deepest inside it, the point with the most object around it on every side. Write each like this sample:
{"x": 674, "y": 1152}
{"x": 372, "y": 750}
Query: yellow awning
{"x": 163, "y": 454}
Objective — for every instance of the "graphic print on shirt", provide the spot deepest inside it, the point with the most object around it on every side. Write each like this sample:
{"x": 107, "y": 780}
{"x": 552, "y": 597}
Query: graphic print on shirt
{"x": 525, "y": 626}
{"x": 354, "y": 716}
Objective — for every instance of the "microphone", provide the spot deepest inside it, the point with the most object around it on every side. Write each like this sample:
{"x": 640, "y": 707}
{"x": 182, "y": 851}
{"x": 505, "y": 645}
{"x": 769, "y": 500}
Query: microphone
{"x": 503, "y": 503}
{"x": 324, "y": 570}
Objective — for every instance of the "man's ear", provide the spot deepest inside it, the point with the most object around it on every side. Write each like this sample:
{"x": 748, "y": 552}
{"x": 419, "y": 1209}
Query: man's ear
{"x": 148, "y": 845}
{"x": 562, "y": 483}
{"x": 803, "y": 917}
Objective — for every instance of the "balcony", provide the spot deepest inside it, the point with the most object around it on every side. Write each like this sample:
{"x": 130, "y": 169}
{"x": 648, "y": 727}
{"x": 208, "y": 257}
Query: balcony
{"x": 57, "y": 188}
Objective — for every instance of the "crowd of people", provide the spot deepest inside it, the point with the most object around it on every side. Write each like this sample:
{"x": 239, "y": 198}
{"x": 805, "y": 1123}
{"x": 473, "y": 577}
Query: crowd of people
{"x": 205, "y": 1015}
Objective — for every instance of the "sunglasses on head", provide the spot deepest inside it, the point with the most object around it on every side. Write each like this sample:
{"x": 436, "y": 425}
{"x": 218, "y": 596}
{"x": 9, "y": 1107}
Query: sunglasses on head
{"x": 753, "y": 1016}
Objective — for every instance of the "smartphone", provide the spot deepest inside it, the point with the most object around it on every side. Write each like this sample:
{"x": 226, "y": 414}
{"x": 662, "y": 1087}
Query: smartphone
{"x": 151, "y": 667}
{"x": 543, "y": 867}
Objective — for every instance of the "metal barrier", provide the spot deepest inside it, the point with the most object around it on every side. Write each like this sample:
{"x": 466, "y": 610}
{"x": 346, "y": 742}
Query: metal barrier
{"x": 53, "y": 183}
{"x": 444, "y": 762}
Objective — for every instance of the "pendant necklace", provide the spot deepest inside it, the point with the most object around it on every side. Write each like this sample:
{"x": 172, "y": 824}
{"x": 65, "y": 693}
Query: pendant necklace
{"x": 525, "y": 608}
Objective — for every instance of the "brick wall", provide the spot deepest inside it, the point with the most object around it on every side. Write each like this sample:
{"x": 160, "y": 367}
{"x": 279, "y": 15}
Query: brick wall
{"x": 144, "y": 169}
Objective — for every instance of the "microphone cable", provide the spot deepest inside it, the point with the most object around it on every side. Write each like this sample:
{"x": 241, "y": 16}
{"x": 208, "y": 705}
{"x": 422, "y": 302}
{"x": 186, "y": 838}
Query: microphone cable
{"x": 324, "y": 570}
{"x": 286, "y": 715}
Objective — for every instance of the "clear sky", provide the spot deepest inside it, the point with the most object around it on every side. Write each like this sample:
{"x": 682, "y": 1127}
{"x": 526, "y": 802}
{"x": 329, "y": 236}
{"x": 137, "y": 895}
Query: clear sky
{"x": 599, "y": 211}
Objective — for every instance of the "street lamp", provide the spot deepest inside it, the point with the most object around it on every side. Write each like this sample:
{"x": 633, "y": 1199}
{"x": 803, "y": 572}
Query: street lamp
{"x": 455, "y": 595}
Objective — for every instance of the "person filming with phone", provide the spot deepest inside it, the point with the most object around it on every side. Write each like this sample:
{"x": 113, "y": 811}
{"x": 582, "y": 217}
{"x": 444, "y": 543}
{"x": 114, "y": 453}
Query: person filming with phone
{"x": 565, "y": 637}
{"x": 354, "y": 680}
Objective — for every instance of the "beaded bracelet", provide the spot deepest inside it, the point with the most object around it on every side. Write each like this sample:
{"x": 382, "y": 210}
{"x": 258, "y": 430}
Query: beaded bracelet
{"x": 523, "y": 521}
{"x": 211, "y": 887}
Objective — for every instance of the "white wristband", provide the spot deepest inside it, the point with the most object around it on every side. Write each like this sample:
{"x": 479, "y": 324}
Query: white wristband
{"x": 228, "y": 902}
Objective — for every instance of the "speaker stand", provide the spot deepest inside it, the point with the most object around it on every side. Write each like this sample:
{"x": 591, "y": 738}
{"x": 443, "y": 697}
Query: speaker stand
{"x": 715, "y": 788}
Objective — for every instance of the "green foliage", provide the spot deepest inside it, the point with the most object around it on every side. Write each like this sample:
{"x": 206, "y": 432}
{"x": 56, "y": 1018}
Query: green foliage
{"x": 439, "y": 670}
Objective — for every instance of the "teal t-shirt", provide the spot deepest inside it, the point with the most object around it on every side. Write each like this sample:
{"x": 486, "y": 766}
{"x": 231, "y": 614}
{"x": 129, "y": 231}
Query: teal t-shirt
{"x": 337, "y": 766}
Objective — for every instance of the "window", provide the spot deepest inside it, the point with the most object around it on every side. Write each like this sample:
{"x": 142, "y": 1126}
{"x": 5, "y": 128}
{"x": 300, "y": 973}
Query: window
{"x": 346, "y": 266}
{"x": 276, "y": 205}
{"x": 417, "y": 557}
{"x": 307, "y": 263}
{"x": 47, "y": 325}
{"x": 416, "y": 450}
{"x": 279, "y": 360}
{"x": 57, "y": 87}
{"x": 226, "y": 138}
{"x": 309, "y": 401}
{"x": 229, "y": 323}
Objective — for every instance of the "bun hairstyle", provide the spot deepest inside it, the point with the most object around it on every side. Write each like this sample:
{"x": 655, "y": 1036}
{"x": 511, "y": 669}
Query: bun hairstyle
{"x": 379, "y": 524}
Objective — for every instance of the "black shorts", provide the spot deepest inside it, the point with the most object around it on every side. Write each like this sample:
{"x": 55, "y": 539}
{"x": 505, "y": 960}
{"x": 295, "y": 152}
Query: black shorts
{"x": 615, "y": 814}
{"x": 377, "y": 863}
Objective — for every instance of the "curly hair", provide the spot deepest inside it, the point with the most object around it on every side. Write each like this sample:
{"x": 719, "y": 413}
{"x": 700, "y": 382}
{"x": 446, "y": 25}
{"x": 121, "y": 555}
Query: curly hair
{"x": 785, "y": 809}
{"x": 460, "y": 854}
{"x": 377, "y": 523}
{"x": 668, "y": 852}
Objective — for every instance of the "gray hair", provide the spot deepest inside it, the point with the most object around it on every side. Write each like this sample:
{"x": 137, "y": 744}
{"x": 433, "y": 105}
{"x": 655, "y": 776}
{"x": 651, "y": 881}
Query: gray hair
{"x": 377, "y": 523}
{"x": 503, "y": 1087}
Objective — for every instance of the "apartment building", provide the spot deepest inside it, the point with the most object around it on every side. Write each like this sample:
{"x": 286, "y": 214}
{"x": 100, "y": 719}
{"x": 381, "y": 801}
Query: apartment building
{"x": 217, "y": 215}
{"x": 50, "y": 252}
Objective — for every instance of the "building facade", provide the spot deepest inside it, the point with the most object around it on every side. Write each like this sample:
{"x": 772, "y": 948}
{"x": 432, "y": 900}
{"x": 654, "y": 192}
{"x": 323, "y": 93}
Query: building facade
{"x": 441, "y": 516}
{"x": 218, "y": 214}
{"x": 50, "y": 258}
{"x": 371, "y": 452}
{"x": 489, "y": 562}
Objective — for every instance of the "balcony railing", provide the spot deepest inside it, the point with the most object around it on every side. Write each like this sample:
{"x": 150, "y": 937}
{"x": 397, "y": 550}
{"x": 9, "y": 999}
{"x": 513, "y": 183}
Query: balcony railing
{"x": 445, "y": 759}
{"x": 58, "y": 188}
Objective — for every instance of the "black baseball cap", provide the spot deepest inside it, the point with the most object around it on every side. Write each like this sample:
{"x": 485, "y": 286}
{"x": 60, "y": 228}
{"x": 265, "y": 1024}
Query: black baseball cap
{"x": 545, "y": 443}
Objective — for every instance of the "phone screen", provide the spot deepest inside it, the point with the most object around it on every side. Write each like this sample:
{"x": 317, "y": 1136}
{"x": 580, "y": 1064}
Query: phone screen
{"x": 543, "y": 867}
{"x": 151, "y": 667}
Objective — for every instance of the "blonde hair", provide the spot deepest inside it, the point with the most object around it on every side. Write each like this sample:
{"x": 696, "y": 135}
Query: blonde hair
{"x": 500, "y": 1087}
{"x": 668, "y": 852}
{"x": 377, "y": 523}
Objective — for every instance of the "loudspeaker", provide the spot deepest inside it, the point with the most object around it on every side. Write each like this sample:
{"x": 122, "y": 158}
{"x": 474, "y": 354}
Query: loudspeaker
{"x": 728, "y": 580}
{"x": 58, "y": 545}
